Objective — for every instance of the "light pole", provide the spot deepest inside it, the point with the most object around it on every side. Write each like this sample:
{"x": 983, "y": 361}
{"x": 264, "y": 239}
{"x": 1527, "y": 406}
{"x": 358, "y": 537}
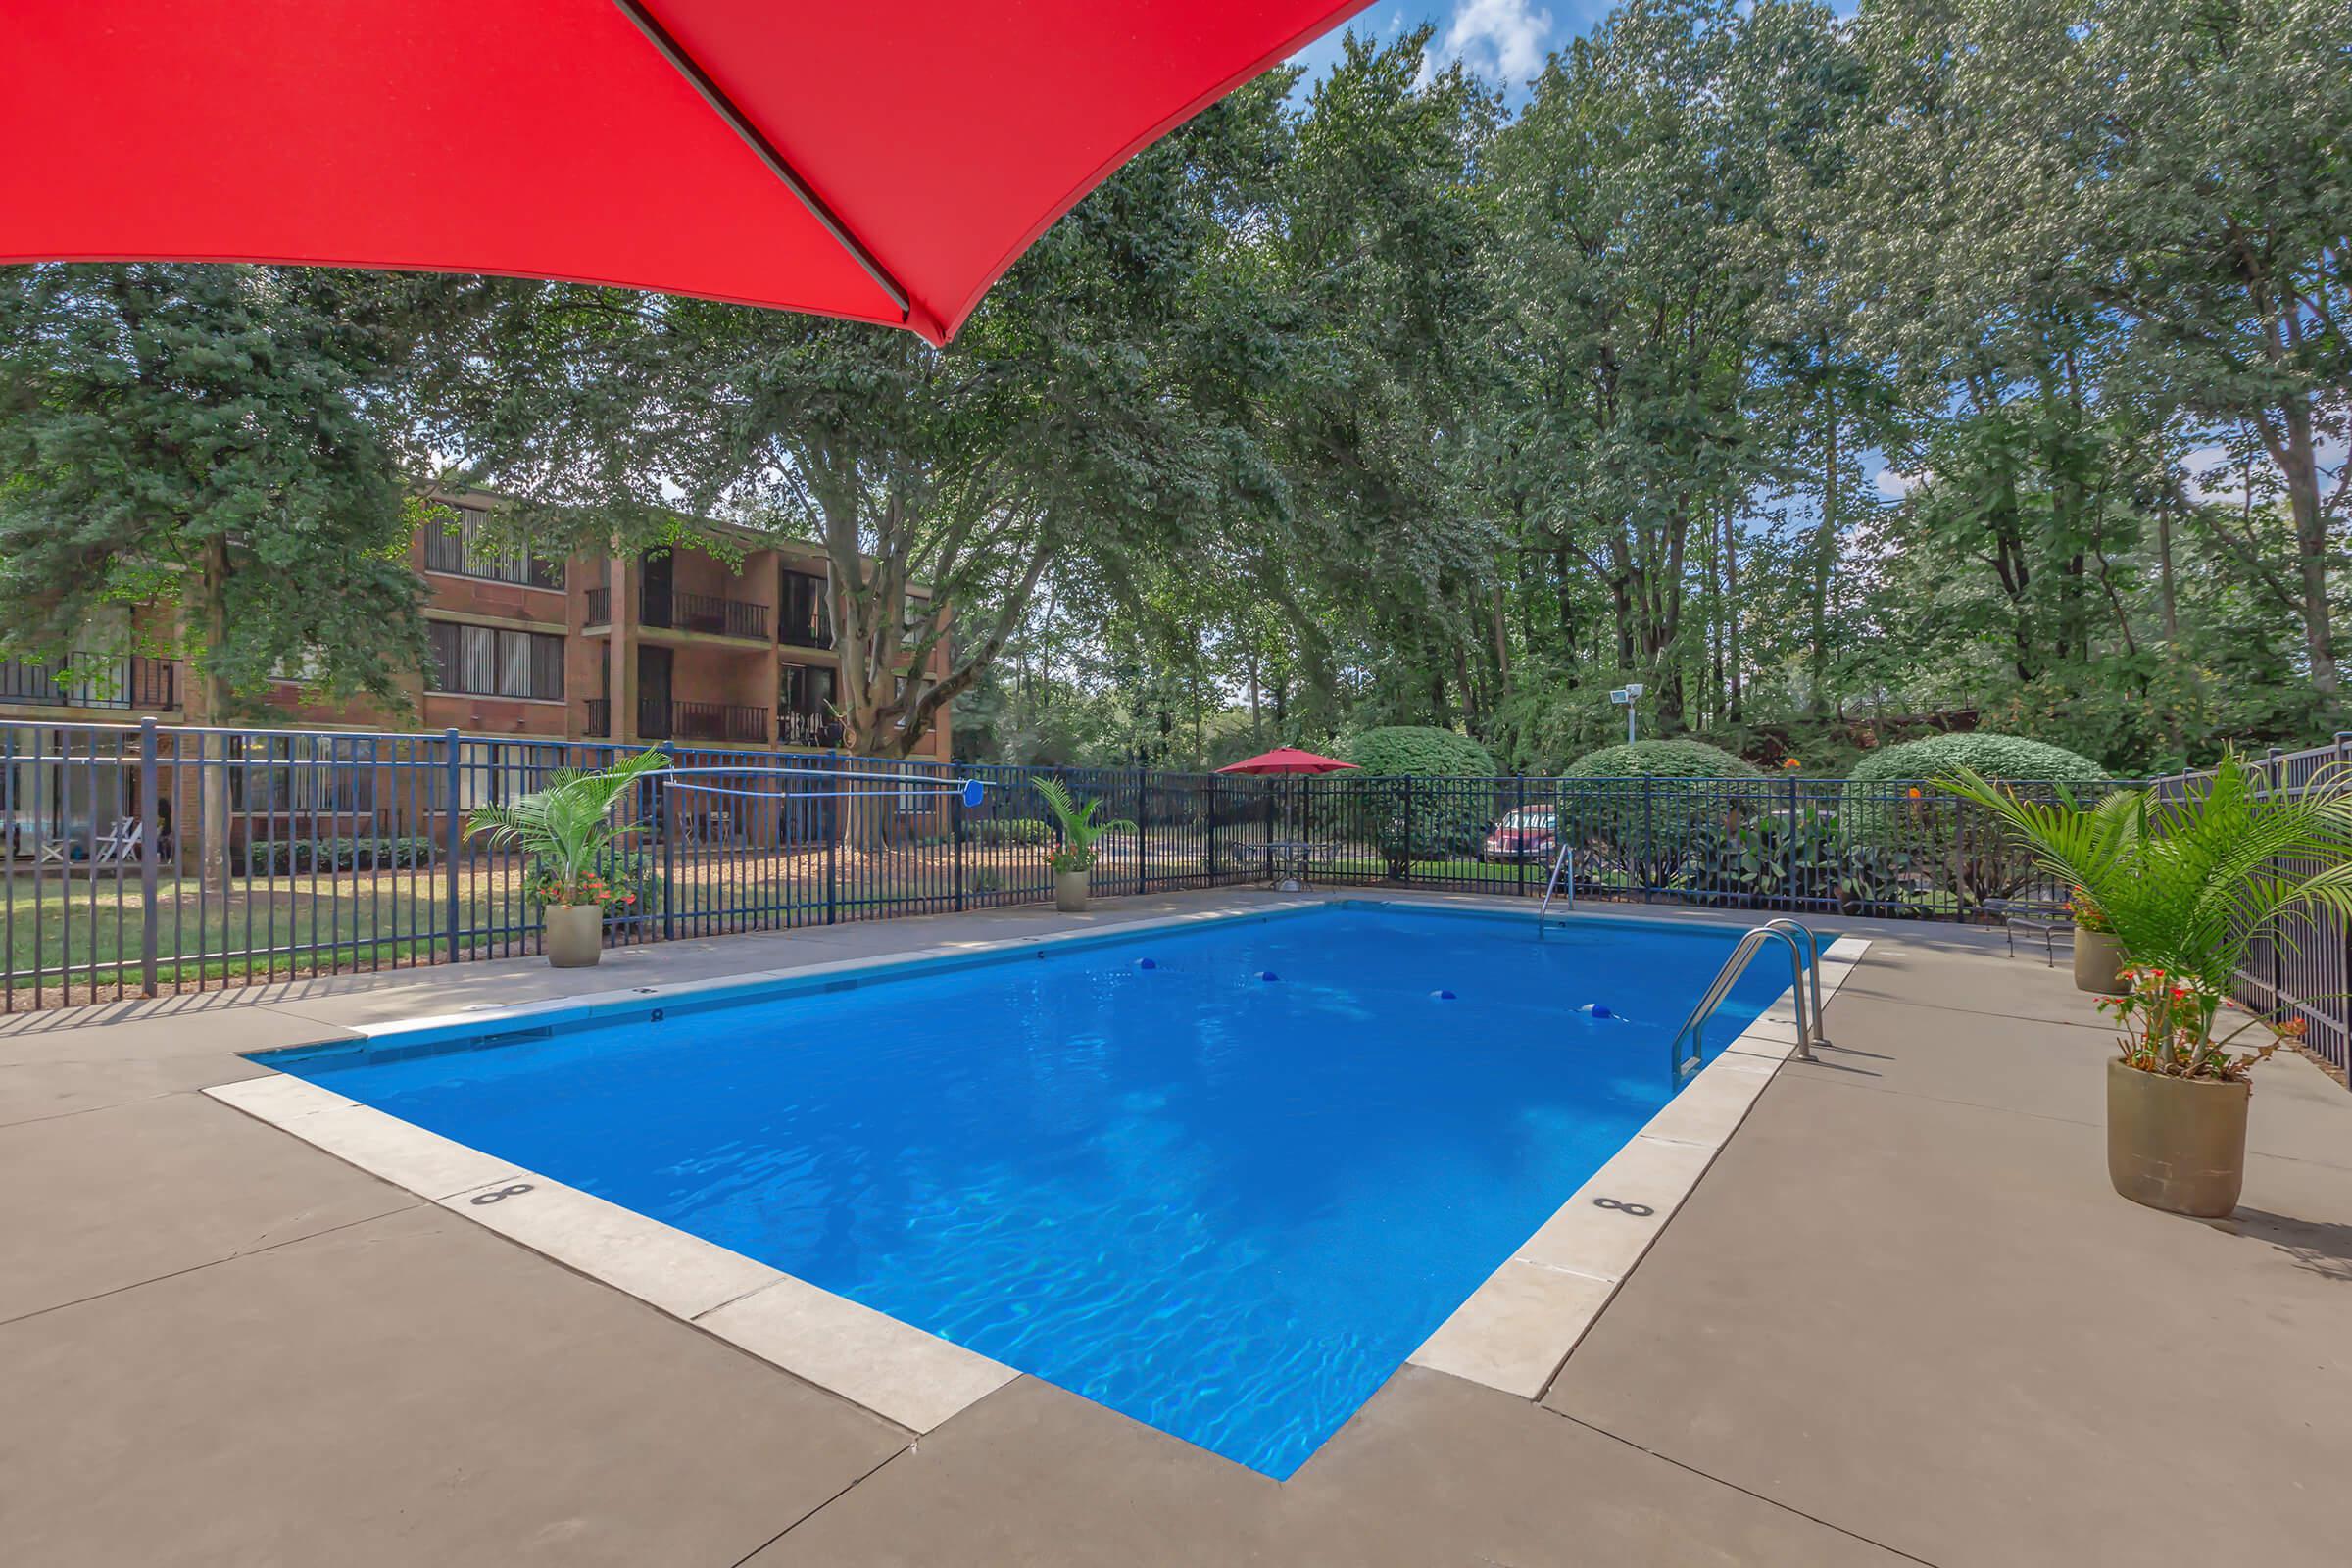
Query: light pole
{"x": 1625, "y": 697}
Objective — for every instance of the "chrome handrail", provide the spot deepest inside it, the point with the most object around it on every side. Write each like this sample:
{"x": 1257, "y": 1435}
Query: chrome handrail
{"x": 1565, "y": 861}
{"x": 1750, "y": 941}
{"x": 1821, "y": 1026}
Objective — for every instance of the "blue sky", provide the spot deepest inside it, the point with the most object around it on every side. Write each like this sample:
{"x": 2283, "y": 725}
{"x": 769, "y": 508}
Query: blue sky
{"x": 1502, "y": 40}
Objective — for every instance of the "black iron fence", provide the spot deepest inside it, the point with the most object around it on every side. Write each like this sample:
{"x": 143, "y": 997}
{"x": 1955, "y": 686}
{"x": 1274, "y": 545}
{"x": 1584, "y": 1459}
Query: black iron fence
{"x": 2302, "y": 969}
{"x": 137, "y": 858}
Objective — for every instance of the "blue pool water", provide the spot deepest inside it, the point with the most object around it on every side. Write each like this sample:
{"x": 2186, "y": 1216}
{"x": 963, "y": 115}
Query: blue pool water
{"x": 1226, "y": 1204}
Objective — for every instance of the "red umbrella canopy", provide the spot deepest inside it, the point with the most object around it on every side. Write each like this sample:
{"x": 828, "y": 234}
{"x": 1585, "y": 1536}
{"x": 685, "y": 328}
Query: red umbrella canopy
{"x": 880, "y": 162}
{"x": 1286, "y": 759}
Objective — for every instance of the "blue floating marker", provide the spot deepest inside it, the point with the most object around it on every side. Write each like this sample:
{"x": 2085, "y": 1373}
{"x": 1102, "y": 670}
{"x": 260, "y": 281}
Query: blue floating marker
{"x": 1267, "y": 974}
{"x": 1597, "y": 1009}
{"x": 972, "y": 792}
{"x": 1440, "y": 995}
{"x": 1147, "y": 963}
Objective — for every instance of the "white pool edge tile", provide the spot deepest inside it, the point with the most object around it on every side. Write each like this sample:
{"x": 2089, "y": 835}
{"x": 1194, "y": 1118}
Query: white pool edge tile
{"x": 1518, "y": 1328}
{"x": 906, "y": 1375}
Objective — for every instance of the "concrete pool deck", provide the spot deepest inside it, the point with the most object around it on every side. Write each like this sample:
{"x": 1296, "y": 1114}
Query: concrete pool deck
{"x": 1899, "y": 1317}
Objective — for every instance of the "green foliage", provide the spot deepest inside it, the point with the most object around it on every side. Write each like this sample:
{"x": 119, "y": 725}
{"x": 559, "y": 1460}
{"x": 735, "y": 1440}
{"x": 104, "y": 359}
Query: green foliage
{"x": 1080, "y": 832}
{"x": 1662, "y": 759}
{"x": 1419, "y": 750}
{"x": 300, "y": 857}
{"x": 1997, "y": 756}
{"x": 226, "y": 435}
{"x": 1763, "y": 861}
{"x": 1431, "y": 822}
{"x": 2191, "y": 882}
{"x": 567, "y": 828}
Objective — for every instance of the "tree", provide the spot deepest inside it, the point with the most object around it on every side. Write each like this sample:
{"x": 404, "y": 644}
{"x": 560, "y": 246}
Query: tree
{"x": 222, "y": 436}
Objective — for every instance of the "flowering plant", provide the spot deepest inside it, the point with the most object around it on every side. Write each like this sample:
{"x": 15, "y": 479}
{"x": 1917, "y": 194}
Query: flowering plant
{"x": 2088, "y": 916}
{"x": 2167, "y": 1022}
{"x": 613, "y": 891}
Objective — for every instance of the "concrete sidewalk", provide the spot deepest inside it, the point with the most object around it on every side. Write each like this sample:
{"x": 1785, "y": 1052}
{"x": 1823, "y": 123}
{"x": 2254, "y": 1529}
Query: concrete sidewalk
{"x": 1902, "y": 1317}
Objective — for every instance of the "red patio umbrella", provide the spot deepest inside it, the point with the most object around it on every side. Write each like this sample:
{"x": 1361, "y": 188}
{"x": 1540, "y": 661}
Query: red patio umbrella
{"x": 884, "y": 162}
{"x": 1286, "y": 759}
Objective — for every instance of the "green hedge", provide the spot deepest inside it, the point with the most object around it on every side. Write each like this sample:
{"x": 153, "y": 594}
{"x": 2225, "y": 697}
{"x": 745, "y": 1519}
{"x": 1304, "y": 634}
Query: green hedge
{"x": 1957, "y": 846}
{"x": 290, "y": 856}
{"x": 1662, "y": 759}
{"x": 1429, "y": 822}
{"x": 1996, "y": 757}
{"x": 997, "y": 831}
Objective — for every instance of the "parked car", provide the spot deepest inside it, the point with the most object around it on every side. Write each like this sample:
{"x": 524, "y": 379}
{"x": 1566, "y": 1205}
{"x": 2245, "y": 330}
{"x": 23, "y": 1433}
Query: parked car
{"x": 1529, "y": 833}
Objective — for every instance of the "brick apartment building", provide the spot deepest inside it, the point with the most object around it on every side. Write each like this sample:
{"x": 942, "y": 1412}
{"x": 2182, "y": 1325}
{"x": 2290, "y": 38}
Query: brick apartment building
{"x": 674, "y": 644}
{"x": 677, "y": 643}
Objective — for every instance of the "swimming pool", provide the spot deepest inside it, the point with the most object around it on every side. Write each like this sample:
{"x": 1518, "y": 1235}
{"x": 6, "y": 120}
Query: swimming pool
{"x": 1223, "y": 1178}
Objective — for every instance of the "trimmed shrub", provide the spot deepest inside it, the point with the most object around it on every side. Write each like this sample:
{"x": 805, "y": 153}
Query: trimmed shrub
{"x": 1626, "y": 827}
{"x": 1662, "y": 759}
{"x": 1956, "y": 849}
{"x": 1997, "y": 756}
{"x": 1423, "y": 821}
{"x": 1421, "y": 750}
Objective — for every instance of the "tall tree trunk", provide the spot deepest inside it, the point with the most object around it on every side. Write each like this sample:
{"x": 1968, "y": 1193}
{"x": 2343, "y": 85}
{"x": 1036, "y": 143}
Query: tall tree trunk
{"x": 1730, "y": 578}
{"x": 211, "y": 611}
{"x": 1825, "y": 561}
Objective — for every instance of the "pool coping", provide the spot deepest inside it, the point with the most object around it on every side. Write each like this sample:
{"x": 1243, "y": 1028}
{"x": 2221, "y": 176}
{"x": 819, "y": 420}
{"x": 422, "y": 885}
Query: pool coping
{"x": 1517, "y": 1330}
{"x": 1541, "y": 1298}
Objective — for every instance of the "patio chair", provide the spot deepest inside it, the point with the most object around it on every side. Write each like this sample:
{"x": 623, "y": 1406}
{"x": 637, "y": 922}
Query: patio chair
{"x": 2043, "y": 912}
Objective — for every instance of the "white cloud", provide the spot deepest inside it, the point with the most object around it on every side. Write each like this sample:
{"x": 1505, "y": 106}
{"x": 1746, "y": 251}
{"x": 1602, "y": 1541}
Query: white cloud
{"x": 1501, "y": 39}
{"x": 1893, "y": 485}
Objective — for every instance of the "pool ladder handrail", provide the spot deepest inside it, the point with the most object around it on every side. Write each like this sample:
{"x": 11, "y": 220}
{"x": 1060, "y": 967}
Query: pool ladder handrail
{"x": 1809, "y": 1032}
{"x": 1563, "y": 862}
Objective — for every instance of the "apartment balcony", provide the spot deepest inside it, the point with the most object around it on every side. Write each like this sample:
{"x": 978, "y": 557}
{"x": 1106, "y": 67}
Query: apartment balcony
{"x": 710, "y": 614}
{"x": 807, "y": 729}
{"x": 93, "y": 680}
{"x": 731, "y": 723}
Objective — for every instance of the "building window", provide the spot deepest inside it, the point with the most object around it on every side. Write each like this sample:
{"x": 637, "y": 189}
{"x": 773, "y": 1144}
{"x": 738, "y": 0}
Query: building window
{"x": 493, "y": 662}
{"x": 297, "y": 774}
{"x": 806, "y": 613}
{"x": 463, "y": 550}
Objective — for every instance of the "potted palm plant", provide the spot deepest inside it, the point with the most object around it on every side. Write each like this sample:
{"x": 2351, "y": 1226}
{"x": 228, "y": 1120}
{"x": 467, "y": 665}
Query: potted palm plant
{"x": 2186, "y": 887}
{"x": 1080, "y": 833}
{"x": 566, "y": 829}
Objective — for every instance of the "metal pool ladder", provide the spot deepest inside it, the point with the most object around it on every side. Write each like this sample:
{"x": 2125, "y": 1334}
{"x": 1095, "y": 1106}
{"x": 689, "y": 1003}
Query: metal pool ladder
{"x": 1563, "y": 864}
{"x": 1809, "y": 1033}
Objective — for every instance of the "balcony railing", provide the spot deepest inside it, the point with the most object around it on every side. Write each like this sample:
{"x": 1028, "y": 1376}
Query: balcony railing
{"x": 600, "y": 606}
{"x": 702, "y": 722}
{"x": 713, "y": 613}
{"x": 600, "y": 718}
{"x": 93, "y": 680}
{"x": 807, "y": 729}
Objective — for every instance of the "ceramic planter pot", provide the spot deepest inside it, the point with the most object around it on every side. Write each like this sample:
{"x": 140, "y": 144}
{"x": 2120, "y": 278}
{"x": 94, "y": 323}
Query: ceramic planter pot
{"x": 575, "y": 935}
{"x": 2175, "y": 1144}
{"x": 1069, "y": 891}
{"x": 2097, "y": 957}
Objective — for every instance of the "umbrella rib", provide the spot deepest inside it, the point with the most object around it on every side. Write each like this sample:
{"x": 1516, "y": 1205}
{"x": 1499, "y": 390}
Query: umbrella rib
{"x": 764, "y": 149}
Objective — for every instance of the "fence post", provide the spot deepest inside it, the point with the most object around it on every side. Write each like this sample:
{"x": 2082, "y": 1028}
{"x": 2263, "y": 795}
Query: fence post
{"x": 829, "y": 820}
{"x": 1143, "y": 829}
{"x": 449, "y": 829}
{"x": 150, "y": 856}
{"x": 955, "y": 851}
{"x": 1410, "y": 837}
{"x": 666, "y": 822}
{"x": 1268, "y": 838}
{"x": 1793, "y": 842}
{"x": 1649, "y": 841}
{"x": 1215, "y": 787}
{"x": 1519, "y": 825}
